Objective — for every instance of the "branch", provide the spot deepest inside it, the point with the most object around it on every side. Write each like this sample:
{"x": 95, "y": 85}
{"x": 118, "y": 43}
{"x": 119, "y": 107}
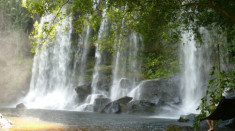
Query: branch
{"x": 212, "y": 7}
{"x": 53, "y": 21}
{"x": 59, "y": 11}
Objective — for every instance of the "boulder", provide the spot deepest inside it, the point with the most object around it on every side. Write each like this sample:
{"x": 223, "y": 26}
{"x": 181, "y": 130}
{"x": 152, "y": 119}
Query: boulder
{"x": 124, "y": 100}
{"x": 100, "y": 103}
{"x": 141, "y": 107}
{"x": 117, "y": 106}
{"x": 83, "y": 91}
{"x": 112, "y": 108}
{"x": 125, "y": 83}
{"x": 20, "y": 106}
{"x": 187, "y": 118}
{"x": 167, "y": 90}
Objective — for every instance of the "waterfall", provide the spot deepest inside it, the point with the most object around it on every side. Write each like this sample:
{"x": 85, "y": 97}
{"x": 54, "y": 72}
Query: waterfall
{"x": 98, "y": 54}
{"x": 49, "y": 87}
{"x": 196, "y": 64}
{"x": 126, "y": 66}
{"x": 81, "y": 56}
{"x": 59, "y": 69}
{"x": 96, "y": 92}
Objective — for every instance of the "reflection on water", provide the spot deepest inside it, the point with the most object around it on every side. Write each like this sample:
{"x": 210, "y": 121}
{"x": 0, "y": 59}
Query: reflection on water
{"x": 32, "y": 124}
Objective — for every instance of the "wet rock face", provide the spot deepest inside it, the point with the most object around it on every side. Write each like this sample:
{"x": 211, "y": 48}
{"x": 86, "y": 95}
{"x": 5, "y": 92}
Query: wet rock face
{"x": 141, "y": 107}
{"x": 124, "y": 100}
{"x": 118, "y": 106}
{"x": 100, "y": 103}
{"x": 125, "y": 105}
{"x": 167, "y": 90}
{"x": 112, "y": 108}
{"x": 83, "y": 91}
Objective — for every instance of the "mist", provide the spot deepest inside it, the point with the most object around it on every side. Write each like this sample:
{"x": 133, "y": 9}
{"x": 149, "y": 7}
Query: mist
{"x": 15, "y": 62}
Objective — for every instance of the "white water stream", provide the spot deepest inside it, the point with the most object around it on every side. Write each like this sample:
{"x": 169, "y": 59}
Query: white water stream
{"x": 49, "y": 87}
{"x": 127, "y": 66}
{"x": 196, "y": 67}
{"x": 52, "y": 85}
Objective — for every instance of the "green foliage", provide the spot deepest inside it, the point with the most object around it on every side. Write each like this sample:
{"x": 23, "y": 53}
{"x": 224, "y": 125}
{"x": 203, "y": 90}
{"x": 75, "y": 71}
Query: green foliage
{"x": 221, "y": 82}
{"x": 158, "y": 65}
{"x": 152, "y": 19}
{"x": 158, "y": 22}
{"x": 231, "y": 44}
{"x": 13, "y": 15}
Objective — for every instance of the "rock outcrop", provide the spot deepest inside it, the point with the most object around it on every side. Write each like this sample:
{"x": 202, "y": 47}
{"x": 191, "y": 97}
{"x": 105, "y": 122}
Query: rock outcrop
{"x": 167, "y": 90}
{"x": 118, "y": 106}
{"x": 20, "y": 106}
{"x": 100, "y": 103}
{"x": 112, "y": 108}
{"x": 141, "y": 107}
{"x": 83, "y": 91}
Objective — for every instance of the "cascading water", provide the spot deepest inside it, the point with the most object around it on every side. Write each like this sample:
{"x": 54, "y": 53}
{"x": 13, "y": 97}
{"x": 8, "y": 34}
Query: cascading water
{"x": 49, "y": 87}
{"x": 98, "y": 57}
{"x": 81, "y": 55}
{"x": 196, "y": 64}
{"x": 56, "y": 74}
{"x": 126, "y": 67}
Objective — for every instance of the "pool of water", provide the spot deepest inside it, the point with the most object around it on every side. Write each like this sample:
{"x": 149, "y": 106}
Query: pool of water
{"x": 72, "y": 120}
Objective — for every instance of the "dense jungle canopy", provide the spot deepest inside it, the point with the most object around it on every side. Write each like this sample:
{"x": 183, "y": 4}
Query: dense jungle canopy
{"x": 158, "y": 21}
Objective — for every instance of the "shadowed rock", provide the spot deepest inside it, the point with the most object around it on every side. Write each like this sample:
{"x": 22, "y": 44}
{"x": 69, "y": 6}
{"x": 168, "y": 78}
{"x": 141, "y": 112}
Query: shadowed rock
{"x": 20, "y": 106}
{"x": 124, "y": 100}
{"x": 117, "y": 106}
{"x": 83, "y": 91}
{"x": 141, "y": 107}
{"x": 187, "y": 118}
{"x": 112, "y": 108}
{"x": 100, "y": 103}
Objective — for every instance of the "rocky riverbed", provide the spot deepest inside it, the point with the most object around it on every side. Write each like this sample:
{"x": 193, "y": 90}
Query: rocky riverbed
{"x": 34, "y": 119}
